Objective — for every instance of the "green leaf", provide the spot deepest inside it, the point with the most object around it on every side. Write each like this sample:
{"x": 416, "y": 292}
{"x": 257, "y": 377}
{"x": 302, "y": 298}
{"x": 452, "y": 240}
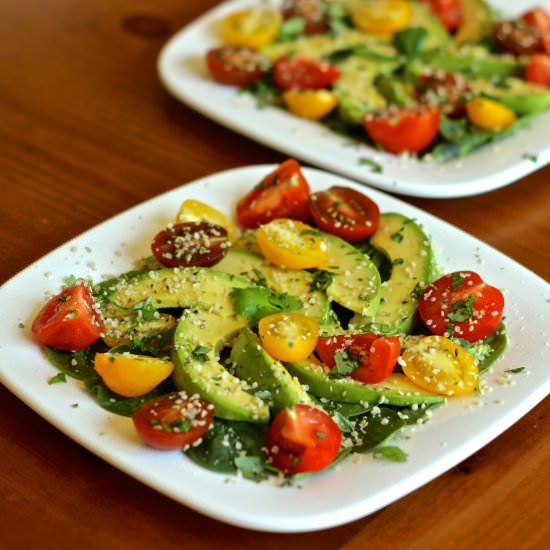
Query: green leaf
{"x": 291, "y": 29}
{"x": 456, "y": 280}
{"x": 461, "y": 310}
{"x": 515, "y": 371}
{"x": 258, "y": 302}
{"x": 226, "y": 443}
{"x": 344, "y": 364}
{"x": 374, "y": 166}
{"x": 59, "y": 377}
{"x": 251, "y": 467}
{"x": 410, "y": 42}
{"x": 391, "y": 452}
{"x": 200, "y": 353}
{"x": 321, "y": 280}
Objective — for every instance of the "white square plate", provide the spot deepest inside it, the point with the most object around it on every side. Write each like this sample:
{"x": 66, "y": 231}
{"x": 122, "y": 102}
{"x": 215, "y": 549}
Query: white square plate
{"x": 354, "y": 489}
{"x": 182, "y": 71}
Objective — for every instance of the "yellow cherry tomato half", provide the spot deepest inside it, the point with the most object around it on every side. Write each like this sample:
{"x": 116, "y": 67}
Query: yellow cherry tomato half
{"x": 192, "y": 210}
{"x": 292, "y": 244}
{"x": 252, "y": 28}
{"x": 131, "y": 375}
{"x": 437, "y": 364}
{"x": 311, "y": 104}
{"x": 488, "y": 114}
{"x": 288, "y": 337}
{"x": 381, "y": 17}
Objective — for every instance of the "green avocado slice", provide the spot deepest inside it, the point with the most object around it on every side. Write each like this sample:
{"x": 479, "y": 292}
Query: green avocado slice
{"x": 264, "y": 373}
{"x": 199, "y": 337}
{"x": 395, "y": 391}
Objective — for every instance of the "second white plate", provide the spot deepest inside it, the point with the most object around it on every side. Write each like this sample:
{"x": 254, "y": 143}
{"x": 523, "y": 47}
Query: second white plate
{"x": 182, "y": 71}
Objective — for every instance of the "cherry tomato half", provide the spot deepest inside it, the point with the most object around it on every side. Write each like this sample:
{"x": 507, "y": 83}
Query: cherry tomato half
{"x": 292, "y": 244}
{"x": 303, "y": 73}
{"x": 302, "y": 439}
{"x": 70, "y": 320}
{"x": 540, "y": 19}
{"x": 381, "y": 17}
{"x": 289, "y": 337}
{"x": 313, "y": 12}
{"x": 344, "y": 212}
{"x": 438, "y": 364}
{"x": 403, "y": 129}
{"x": 448, "y": 90}
{"x": 449, "y": 12}
{"x": 188, "y": 244}
{"x": 173, "y": 421}
{"x": 460, "y": 304}
{"x": 253, "y": 27}
{"x": 538, "y": 69}
{"x": 376, "y": 356}
{"x": 236, "y": 65}
{"x": 283, "y": 193}
{"x": 516, "y": 36}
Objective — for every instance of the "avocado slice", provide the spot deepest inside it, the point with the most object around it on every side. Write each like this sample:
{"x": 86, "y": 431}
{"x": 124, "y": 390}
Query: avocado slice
{"x": 477, "y": 22}
{"x": 264, "y": 373}
{"x": 356, "y": 281}
{"x": 409, "y": 250}
{"x": 199, "y": 337}
{"x": 295, "y": 282}
{"x": 399, "y": 391}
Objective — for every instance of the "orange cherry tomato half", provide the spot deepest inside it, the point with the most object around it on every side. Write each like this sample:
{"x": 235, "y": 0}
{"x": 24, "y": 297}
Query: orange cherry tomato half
{"x": 344, "y": 212}
{"x": 289, "y": 337}
{"x": 283, "y": 193}
{"x": 404, "y": 129}
{"x": 292, "y": 244}
{"x": 302, "y": 438}
{"x": 303, "y": 73}
{"x": 460, "y": 304}
{"x": 236, "y": 65}
{"x": 173, "y": 421}
{"x": 70, "y": 320}
{"x": 188, "y": 244}
{"x": 375, "y": 356}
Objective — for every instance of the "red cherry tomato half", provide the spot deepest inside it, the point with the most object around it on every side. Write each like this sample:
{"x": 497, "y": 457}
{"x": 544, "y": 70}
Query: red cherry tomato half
{"x": 283, "y": 193}
{"x": 516, "y": 36}
{"x": 409, "y": 129}
{"x": 538, "y": 69}
{"x": 446, "y": 89}
{"x": 344, "y": 212}
{"x": 376, "y": 356}
{"x": 189, "y": 244}
{"x": 449, "y": 12}
{"x": 540, "y": 19}
{"x": 460, "y": 304}
{"x": 70, "y": 320}
{"x": 303, "y": 73}
{"x": 302, "y": 439}
{"x": 236, "y": 65}
{"x": 313, "y": 12}
{"x": 173, "y": 421}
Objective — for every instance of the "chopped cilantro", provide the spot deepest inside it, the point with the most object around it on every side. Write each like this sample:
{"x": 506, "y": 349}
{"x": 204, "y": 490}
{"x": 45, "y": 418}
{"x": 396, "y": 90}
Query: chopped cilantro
{"x": 321, "y": 280}
{"x": 255, "y": 303}
{"x": 516, "y": 370}
{"x": 344, "y": 364}
{"x": 529, "y": 156}
{"x": 201, "y": 353}
{"x": 59, "y": 377}
{"x": 398, "y": 235}
{"x": 461, "y": 310}
{"x": 251, "y": 467}
{"x": 390, "y": 452}
{"x": 374, "y": 166}
{"x": 456, "y": 280}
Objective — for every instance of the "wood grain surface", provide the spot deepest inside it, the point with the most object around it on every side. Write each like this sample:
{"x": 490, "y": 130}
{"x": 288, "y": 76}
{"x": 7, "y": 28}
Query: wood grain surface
{"x": 86, "y": 131}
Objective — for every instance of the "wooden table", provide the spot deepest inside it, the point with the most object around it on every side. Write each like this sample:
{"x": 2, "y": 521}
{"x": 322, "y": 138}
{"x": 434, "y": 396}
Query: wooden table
{"x": 86, "y": 132}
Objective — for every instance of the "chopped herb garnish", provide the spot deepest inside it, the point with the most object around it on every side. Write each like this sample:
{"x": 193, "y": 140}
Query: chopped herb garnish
{"x": 398, "y": 261}
{"x": 255, "y": 303}
{"x": 456, "y": 280}
{"x": 529, "y": 156}
{"x": 321, "y": 280}
{"x": 344, "y": 364}
{"x": 398, "y": 235}
{"x": 461, "y": 310}
{"x": 374, "y": 166}
{"x": 201, "y": 353}
{"x": 516, "y": 370}
{"x": 391, "y": 452}
{"x": 59, "y": 377}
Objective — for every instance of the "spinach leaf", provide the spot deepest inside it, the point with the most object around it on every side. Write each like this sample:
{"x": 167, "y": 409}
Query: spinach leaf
{"x": 228, "y": 447}
{"x": 411, "y": 41}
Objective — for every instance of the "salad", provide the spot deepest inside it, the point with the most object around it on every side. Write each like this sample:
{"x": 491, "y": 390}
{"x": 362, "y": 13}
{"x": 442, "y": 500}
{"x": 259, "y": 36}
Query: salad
{"x": 437, "y": 79}
{"x": 314, "y": 327}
